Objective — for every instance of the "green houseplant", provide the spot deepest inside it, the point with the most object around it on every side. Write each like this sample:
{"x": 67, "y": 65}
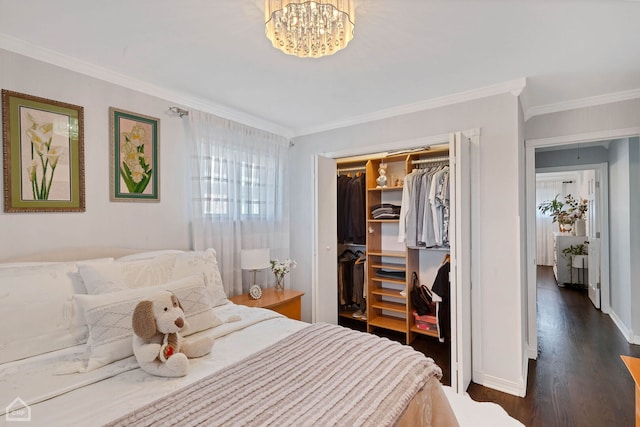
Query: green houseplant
{"x": 566, "y": 212}
{"x": 554, "y": 208}
{"x": 571, "y": 252}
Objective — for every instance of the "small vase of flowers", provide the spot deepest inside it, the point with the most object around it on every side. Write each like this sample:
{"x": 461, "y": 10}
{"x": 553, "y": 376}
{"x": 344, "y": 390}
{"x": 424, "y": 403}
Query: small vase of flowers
{"x": 280, "y": 269}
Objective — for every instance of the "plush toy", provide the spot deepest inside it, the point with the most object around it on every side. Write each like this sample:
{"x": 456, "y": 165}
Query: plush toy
{"x": 157, "y": 344}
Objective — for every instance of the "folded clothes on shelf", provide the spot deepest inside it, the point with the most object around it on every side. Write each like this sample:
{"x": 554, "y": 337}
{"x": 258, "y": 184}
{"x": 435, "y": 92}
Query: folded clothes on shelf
{"x": 385, "y": 211}
{"x": 391, "y": 274}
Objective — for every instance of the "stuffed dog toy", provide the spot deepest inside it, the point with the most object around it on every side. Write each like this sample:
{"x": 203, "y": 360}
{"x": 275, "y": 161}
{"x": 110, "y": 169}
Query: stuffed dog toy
{"x": 157, "y": 344}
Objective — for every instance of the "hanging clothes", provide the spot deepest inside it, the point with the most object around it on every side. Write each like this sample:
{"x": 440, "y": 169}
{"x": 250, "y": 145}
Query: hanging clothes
{"x": 357, "y": 214}
{"x": 437, "y": 203}
{"x": 442, "y": 288}
{"x": 350, "y": 278}
{"x": 351, "y": 209}
{"x": 344, "y": 208}
{"x": 424, "y": 210}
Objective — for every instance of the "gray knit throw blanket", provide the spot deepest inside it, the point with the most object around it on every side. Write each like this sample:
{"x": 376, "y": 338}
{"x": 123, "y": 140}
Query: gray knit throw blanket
{"x": 322, "y": 375}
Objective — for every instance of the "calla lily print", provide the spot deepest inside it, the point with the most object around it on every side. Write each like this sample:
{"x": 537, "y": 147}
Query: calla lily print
{"x": 44, "y": 157}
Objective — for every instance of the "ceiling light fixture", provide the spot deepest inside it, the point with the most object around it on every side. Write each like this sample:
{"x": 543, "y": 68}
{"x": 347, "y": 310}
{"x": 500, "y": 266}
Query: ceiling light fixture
{"x": 309, "y": 28}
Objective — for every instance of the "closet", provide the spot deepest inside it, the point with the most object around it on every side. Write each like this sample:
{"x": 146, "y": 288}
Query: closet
{"x": 406, "y": 211}
{"x": 389, "y": 263}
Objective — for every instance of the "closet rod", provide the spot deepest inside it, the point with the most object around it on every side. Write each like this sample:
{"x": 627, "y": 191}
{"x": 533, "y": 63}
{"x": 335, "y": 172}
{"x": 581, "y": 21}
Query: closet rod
{"x": 361, "y": 168}
{"x": 430, "y": 160}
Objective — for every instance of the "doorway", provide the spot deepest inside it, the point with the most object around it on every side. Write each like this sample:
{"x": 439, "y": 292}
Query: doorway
{"x": 578, "y": 145}
{"x": 572, "y": 251}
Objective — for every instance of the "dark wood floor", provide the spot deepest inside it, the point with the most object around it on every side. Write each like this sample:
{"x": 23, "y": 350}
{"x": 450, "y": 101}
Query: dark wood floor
{"x": 578, "y": 378}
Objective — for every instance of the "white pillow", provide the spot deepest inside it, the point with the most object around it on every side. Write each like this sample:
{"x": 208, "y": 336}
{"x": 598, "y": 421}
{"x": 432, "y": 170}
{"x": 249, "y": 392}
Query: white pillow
{"x": 188, "y": 263}
{"x": 109, "y": 316}
{"x": 122, "y": 275}
{"x": 37, "y": 312}
{"x": 148, "y": 254}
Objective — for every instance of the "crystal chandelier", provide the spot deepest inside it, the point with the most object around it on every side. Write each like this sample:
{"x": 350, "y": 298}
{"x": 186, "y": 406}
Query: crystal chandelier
{"x": 309, "y": 28}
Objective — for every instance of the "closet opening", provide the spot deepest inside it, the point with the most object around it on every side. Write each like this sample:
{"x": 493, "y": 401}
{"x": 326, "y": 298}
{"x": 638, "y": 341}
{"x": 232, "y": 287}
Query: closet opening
{"x": 393, "y": 215}
{"x": 387, "y": 263}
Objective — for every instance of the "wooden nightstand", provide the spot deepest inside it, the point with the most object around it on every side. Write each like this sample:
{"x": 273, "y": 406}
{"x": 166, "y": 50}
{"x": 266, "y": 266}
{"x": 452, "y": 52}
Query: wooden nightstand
{"x": 286, "y": 302}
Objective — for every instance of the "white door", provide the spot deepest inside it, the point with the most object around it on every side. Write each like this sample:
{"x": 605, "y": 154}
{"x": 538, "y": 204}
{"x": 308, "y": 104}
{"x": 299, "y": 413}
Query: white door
{"x": 593, "y": 233}
{"x": 594, "y": 270}
{"x": 325, "y": 244}
{"x": 460, "y": 276}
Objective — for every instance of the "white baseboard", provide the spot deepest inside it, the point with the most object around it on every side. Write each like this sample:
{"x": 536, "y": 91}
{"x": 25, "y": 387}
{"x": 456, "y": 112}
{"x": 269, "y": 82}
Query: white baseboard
{"x": 515, "y": 388}
{"x": 525, "y": 376}
{"x": 532, "y": 353}
{"x": 626, "y": 332}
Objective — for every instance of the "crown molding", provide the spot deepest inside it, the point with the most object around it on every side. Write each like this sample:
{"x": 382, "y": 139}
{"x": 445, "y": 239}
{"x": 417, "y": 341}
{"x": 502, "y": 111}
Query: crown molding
{"x": 514, "y": 87}
{"x": 68, "y": 62}
{"x": 591, "y": 101}
{"x": 604, "y": 135}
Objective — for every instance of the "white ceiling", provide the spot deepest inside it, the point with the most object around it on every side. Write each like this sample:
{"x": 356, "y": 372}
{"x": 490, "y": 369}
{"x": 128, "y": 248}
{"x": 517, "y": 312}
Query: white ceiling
{"x": 213, "y": 55}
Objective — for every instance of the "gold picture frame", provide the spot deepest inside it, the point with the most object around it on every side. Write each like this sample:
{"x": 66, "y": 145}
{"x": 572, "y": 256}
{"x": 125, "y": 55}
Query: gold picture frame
{"x": 43, "y": 151}
{"x": 135, "y": 157}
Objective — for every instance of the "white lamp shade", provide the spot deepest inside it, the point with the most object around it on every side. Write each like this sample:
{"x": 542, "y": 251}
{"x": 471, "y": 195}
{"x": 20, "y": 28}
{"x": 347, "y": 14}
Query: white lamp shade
{"x": 254, "y": 259}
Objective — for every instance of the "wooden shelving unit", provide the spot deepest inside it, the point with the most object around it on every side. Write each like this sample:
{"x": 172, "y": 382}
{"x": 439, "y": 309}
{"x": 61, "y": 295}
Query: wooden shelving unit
{"x": 388, "y": 300}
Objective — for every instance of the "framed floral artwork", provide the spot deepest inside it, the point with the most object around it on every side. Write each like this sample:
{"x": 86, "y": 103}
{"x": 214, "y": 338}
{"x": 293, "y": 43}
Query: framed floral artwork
{"x": 43, "y": 154}
{"x": 134, "y": 157}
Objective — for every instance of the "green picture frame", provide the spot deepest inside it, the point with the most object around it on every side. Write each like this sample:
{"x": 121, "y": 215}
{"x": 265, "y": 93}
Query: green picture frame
{"x": 43, "y": 152}
{"x": 135, "y": 156}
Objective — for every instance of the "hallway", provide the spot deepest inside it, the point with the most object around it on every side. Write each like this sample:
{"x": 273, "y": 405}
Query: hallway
{"x": 579, "y": 378}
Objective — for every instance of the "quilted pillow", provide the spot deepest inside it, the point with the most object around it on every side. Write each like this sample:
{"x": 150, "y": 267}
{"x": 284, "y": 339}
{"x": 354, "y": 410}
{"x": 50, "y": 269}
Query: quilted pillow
{"x": 127, "y": 274}
{"x": 204, "y": 262}
{"x": 35, "y": 302}
{"x": 108, "y": 317}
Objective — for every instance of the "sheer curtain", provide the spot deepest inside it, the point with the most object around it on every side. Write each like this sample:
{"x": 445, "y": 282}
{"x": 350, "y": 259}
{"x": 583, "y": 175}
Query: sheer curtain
{"x": 239, "y": 193}
{"x": 546, "y": 190}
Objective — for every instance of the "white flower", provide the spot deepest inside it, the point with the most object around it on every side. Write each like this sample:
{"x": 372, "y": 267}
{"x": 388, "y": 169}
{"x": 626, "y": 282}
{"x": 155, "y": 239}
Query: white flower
{"x": 136, "y": 136}
{"x": 33, "y": 170}
{"x": 54, "y": 154}
{"x": 137, "y": 173}
{"x": 280, "y": 268}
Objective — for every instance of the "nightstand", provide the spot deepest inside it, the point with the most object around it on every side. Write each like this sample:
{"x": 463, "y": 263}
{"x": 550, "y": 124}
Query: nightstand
{"x": 287, "y": 302}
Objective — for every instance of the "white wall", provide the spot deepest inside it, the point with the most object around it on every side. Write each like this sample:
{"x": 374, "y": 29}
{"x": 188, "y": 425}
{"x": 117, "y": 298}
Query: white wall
{"x": 616, "y": 115}
{"x": 619, "y": 226}
{"x": 139, "y": 225}
{"x": 497, "y": 311}
{"x": 571, "y": 157}
{"x": 634, "y": 233}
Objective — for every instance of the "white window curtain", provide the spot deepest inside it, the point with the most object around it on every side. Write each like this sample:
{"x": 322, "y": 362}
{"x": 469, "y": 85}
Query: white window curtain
{"x": 240, "y": 196}
{"x": 546, "y": 190}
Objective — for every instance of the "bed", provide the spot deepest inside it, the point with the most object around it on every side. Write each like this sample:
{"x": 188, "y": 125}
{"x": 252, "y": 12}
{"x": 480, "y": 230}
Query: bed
{"x": 66, "y": 357}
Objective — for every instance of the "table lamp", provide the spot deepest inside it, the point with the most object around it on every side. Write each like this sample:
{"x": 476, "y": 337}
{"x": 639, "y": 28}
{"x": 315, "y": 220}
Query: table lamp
{"x": 254, "y": 260}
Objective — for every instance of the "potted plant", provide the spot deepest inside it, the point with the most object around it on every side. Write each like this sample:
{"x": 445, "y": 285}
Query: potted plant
{"x": 576, "y": 256}
{"x": 566, "y": 212}
{"x": 554, "y": 208}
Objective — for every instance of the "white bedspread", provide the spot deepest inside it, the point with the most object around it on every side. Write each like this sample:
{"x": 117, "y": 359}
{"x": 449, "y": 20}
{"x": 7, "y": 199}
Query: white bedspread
{"x": 124, "y": 387}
